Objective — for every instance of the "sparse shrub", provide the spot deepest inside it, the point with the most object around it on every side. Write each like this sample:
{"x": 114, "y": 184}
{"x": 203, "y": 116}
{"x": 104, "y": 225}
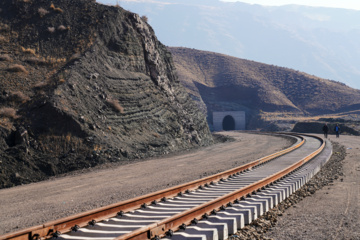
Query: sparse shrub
{"x": 144, "y": 18}
{"x": 35, "y": 60}
{"x": 62, "y": 28}
{"x": 51, "y": 29}
{"x": 40, "y": 85}
{"x": 55, "y": 9}
{"x": 8, "y": 112}
{"x": 60, "y": 144}
{"x": 155, "y": 134}
{"x": 28, "y": 51}
{"x": 19, "y": 97}
{"x": 52, "y": 60}
{"x": 17, "y": 68}
{"x": 75, "y": 56}
{"x": 5, "y": 57}
{"x": 42, "y": 12}
{"x": 115, "y": 105}
{"x": 97, "y": 148}
{"x": 4, "y": 27}
{"x": 3, "y": 39}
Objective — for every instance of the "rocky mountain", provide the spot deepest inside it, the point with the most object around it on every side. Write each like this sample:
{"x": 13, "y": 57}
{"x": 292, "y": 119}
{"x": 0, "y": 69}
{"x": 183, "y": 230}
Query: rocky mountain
{"x": 223, "y": 83}
{"x": 83, "y": 84}
{"x": 315, "y": 40}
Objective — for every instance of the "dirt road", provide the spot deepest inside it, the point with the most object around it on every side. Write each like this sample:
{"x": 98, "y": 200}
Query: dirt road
{"x": 37, "y": 203}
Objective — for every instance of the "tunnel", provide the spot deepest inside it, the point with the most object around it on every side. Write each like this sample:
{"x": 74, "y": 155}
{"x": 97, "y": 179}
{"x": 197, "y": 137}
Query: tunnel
{"x": 229, "y": 120}
{"x": 228, "y": 123}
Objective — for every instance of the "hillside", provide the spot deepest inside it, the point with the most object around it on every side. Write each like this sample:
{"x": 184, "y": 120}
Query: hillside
{"x": 316, "y": 40}
{"x": 223, "y": 83}
{"x": 84, "y": 84}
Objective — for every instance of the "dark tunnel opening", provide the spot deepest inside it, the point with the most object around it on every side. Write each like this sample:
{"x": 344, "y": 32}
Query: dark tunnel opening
{"x": 228, "y": 123}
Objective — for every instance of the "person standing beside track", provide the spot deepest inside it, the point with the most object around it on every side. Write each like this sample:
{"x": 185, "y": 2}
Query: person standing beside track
{"x": 325, "y": 130}
{"x": 337, "y": 130}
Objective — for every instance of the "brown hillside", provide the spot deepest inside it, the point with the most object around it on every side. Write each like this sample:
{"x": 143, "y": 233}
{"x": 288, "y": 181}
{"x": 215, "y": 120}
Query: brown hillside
{"x": 83, "y": 84}
{"x": 226, "y": 83}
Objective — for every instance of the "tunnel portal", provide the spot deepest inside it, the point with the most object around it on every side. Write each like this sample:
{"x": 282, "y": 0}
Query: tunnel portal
{"x": 228, "y": 123}
{"x": 230, "y": 120}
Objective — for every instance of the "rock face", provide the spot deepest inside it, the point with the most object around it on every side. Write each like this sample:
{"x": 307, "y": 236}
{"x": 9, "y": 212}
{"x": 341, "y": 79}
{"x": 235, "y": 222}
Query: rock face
{"x": 101, "y": 88}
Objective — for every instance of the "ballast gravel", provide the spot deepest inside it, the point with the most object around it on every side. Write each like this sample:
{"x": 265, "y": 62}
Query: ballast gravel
{"x": 327, "y": 207}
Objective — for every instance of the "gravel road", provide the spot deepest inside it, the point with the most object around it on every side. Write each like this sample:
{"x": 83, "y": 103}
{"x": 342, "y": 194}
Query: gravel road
{"x": 34, "y": 204}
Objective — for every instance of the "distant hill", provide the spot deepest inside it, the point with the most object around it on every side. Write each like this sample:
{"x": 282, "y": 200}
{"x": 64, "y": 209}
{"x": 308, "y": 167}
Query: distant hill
{"x": 223, "y": 83}
{"x": 319, "y": 41}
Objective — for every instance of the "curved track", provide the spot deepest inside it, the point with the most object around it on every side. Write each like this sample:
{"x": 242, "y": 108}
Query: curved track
{"x": 213, "y": 207}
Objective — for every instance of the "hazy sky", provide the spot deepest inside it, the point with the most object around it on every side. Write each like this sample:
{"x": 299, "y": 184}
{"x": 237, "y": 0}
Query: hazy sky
{"x": 349, "y": 4}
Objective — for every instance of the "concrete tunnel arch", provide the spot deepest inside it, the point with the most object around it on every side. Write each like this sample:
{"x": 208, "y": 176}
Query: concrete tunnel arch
{"x": 229, "y": 120}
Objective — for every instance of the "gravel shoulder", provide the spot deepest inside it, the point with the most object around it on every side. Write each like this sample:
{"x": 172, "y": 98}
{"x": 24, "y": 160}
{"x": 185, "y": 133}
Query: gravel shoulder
{"x": 37, "y": 203}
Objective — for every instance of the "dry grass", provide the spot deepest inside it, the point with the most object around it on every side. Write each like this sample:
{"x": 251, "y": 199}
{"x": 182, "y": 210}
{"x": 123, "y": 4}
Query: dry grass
{"x": 4, "y": 27}
{"x": 52, "y": 60}
{"x": 35, "y": 61}
{"x": 115, "y": 105}
{"x": 62, "y": 28}
{"x": 17, "y": 68}
{"x": 3, "y": 39}
{"x": 19, "y": 97}
{"x": 61, "y": 144}
{"x": 5, "y": 57}
{"x": 6, "y": 123}
{"x": 8, "y": 112}
{"x": 45, "y": 61}
{"x": 40, "y": 84}
{"x": 42, "y": 12}
{"x": 75, "y": 56}
{"x": 28, "y": 51}
{"x": 144, "y": 18}
{"x": 97, "y": 148}
{"x": 155, "y": 134}
{"x": 55, "y": 9}
{"x": 51, "y": 29}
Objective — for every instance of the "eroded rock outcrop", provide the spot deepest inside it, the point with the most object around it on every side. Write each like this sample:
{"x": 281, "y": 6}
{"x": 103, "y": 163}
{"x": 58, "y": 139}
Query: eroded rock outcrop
{"x": 113, "y": 96}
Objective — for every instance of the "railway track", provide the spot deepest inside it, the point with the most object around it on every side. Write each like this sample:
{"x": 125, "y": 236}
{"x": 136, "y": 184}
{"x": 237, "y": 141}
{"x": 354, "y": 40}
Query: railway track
{"x": 210, "y": 208}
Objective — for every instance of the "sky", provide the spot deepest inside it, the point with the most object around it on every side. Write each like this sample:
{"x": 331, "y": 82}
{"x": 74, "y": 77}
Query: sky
{"x": 348, "y": 4}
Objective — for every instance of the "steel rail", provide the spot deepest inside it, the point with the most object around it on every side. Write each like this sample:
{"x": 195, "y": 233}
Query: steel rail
{"x": 173, "y": 223}
{"x": 46, "y": 230}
